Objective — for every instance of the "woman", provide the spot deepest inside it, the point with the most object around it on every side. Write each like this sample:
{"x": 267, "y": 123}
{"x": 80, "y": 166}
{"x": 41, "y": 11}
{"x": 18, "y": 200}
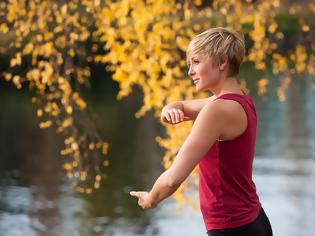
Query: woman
{"x": 221, "y": 142}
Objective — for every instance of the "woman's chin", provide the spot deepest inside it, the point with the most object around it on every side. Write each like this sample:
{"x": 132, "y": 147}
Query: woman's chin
{"x": 199, "y": 88}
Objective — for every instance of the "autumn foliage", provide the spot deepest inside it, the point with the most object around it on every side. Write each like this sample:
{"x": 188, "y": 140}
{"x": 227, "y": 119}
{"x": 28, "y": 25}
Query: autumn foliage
{"x": 142, "y": 43}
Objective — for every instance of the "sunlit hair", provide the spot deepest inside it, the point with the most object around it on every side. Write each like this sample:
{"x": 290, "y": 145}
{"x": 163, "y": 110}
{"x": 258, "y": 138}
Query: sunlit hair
{"x": 219, "y": 44}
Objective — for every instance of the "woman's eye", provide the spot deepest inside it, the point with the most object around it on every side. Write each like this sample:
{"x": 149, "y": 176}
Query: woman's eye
{"x": 196, "y": 62}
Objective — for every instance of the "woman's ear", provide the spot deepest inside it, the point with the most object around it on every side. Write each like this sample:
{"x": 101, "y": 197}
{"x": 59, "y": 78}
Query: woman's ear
{"x": 223, "y": 64}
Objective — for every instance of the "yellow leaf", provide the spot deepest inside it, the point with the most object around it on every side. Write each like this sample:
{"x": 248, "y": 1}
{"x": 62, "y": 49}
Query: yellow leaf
{"x": 83, "y": 175}
{"x": 79, "y": 101}
{"x": 69, "y": 109}
{"x": 262, "y": 86}
{"x": 61, "y": 41}
{"x": 4, "y": 28}
{"x": 7, "y": 76}
{"x": 74, "y": 146}
{"x": 305, "y": 28}
{"x": 64, "y": 9}
{"x": 39, "y": 112}
{"x": 91, "y": 146}
{"x": 45, "y": 124}
{"x": 17, "y": 81}
{"x": 106, "y": 163}
{"x": 105, "y": 147}
{"x": 98, "y": 178}
{"x": 67, "y": 166}
{"x": 16, "y": 61}
{"x": 96, "y": 185}
{"x": 47, "y": 49}
{"x": 69, "y": 140}
{"x": 88, "y": 191}
{"x": 28, "y": 48}
{"x": 71, "y": 52}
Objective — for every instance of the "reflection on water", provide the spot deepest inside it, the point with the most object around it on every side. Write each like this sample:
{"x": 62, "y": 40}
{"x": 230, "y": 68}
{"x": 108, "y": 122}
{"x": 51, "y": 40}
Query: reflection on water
{"x": 35, "y": 200}
{"x": 285, "y": 161}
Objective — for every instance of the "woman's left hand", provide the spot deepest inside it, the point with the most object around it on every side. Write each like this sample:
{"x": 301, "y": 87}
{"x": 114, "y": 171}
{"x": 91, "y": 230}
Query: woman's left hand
{"x": 143, "y": 199}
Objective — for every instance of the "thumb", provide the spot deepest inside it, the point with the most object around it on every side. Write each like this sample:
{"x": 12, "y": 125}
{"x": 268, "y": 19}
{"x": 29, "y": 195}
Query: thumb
{"x": 187, "y": 118}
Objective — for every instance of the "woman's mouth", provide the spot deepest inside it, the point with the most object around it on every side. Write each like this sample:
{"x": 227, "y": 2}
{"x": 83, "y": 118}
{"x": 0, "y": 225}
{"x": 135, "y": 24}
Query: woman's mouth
{"x": 196, "y": 81}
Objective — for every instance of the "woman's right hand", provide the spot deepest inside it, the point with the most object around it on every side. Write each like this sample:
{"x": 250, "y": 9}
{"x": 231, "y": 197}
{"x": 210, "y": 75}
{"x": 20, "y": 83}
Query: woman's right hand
{"x": 173, "y": 115}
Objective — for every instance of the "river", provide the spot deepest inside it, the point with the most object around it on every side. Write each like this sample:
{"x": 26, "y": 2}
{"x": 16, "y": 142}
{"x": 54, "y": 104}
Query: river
{"x": 35, "y": 199}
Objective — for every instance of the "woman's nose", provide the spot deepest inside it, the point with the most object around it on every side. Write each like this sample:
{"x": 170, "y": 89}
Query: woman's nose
{"x": 191, "y": 72}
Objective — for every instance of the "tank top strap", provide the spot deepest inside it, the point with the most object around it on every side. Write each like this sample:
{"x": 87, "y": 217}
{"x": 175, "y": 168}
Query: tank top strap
{"x": 245, "y": 100}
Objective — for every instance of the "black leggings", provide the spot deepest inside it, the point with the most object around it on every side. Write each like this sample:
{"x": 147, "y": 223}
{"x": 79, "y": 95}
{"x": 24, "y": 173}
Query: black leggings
{"x": 259, "y": 227}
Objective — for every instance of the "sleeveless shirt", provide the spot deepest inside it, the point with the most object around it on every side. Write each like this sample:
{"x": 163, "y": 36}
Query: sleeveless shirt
{"x": 227, "y": 192}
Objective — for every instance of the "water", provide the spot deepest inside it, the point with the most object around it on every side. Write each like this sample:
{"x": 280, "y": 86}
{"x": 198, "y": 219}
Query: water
{"x": 35, "y": 199}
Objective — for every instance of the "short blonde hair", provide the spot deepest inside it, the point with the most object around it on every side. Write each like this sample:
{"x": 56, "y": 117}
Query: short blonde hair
{"x": 220, "y": 44}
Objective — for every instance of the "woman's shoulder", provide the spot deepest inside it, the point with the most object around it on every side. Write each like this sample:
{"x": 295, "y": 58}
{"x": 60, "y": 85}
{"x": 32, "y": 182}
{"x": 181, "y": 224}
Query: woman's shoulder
{"x": 224, "y": 105}
{"x": 224, "y": 109}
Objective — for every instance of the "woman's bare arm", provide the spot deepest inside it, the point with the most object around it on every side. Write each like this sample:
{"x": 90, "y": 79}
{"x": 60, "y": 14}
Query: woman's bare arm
{"x": 207, "y": 128}
{"x": 183, "y": 110}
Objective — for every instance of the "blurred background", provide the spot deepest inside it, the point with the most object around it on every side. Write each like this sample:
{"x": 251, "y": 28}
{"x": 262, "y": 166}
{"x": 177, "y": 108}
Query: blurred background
{"x": 37, "y": 195}
{"x": 36, "y": 200}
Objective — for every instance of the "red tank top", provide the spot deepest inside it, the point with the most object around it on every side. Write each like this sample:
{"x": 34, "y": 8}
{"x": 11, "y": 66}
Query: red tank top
{"x": 227, "y": 192}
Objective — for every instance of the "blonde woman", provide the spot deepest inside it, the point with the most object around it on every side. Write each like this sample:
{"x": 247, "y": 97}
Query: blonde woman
{"x": 221, "y": 142}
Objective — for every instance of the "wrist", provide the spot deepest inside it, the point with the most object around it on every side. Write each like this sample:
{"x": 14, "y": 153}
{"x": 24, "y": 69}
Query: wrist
{"x": 152, "y": 200}
{"x": 168, "y": 106}
{"x": 174, "y": 105}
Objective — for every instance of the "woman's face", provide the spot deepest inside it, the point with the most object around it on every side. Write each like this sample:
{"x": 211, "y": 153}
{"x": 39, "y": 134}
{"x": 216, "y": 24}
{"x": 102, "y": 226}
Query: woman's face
{"x": 204, "y": 75}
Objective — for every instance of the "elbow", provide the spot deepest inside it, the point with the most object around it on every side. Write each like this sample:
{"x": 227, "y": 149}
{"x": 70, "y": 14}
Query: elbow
{"x": 173, "y": 181}
{"x": 173, "y": 184}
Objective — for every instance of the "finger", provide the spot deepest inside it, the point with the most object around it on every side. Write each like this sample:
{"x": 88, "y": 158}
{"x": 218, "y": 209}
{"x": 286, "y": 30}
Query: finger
{"x": 138, "y": 194}
{"x": 172, "y": 115}
{"x": 177, "y": 116}
{"x": 181, "y": 115}
{"x": 142, "y": 204}
{"x": 167, "y": 117}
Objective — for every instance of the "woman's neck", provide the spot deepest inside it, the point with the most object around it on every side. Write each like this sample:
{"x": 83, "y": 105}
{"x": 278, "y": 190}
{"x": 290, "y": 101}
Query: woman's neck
{"x": 227, "y": 85}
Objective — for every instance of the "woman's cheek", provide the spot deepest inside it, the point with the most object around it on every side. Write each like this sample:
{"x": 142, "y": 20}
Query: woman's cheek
{"x": 203, "y": 70}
